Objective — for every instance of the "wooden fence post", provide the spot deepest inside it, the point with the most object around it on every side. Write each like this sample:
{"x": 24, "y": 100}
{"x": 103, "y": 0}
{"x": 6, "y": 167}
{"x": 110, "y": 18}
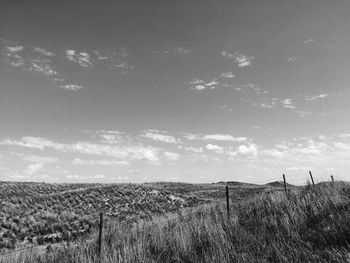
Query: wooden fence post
{"x": 312, "y": 179}
{"x": 284, "y": 181}
{"x": 332, "y": 178}
{"x": 100, "y": 236}
{"x": 227, "y": 202}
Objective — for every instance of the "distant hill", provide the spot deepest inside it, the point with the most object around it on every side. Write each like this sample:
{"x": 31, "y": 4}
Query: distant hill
{"x": 236, "y": 183}
{"x": 279, "y": 184}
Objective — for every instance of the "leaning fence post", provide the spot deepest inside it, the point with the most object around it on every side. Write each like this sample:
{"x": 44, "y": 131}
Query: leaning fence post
{"x": 312, "y": 179}
{"x": 100, "y": 236}
{"x": 332, "y": 178}
{"x": 284, "y": 181}
{"x": 227, "y": 202}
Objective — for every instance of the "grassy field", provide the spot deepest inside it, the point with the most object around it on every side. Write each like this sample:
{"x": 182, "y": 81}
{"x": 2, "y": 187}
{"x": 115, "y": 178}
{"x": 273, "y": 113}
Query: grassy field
{"x": 38, "y": 214}
{"x": 309, "y": 224}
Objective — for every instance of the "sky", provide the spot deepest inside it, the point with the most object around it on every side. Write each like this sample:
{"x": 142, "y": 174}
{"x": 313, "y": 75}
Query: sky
{"x": 195, "y": 91}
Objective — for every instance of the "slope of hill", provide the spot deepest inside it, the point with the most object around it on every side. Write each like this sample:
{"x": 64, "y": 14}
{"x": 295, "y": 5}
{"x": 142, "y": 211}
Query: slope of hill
{"x": 36, "y": 213}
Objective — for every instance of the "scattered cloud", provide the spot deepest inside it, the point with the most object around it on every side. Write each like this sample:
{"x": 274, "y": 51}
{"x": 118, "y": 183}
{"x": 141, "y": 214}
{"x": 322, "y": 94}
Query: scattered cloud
{"x": 225, "y": 108}
{"x": 191, "y": 136}
{"x": 316, "y": 97}
{"x": 127, "y": 153}
{"x": 37, "y": 61}
{"x": 175, "y": 50}
{"x": 198, "y": 87}
{"x": 98, "y": 176}
{"x": 273, "y": 102}
{"x": 72, "y": 87}
{"x": 300, "y": 168}
{"x": 79, "y": 161}
{"x": 33, "y": 168}
{"x": 224, "y": 137}
{"x": 227, "y": 75}
{"x": 42, "y": 62}
{"x": 44, "y": 52}
{"x": 82, "y": 57}
{"x": 161, "y": 137}
{"x": 251, "y": 149}
{"x": 14, "y": 49}
{"x": 182, "y": 50}
{"x": 242, "y": 60}
{"x": 215, "y": 148}
{"x": 196, "y": 81}
{"x": 310, "y": 40}
{"x": 172, "y": 156}
{"x": 292, "y": 59}
{"x": 288, "y": 103}
{"x": 111, "y": 137}
{"x": 251, "y": 88}
{"x": 211, "y": 83}
{"x": 193, "y": 149}
{"x": 36, "y": 158}
{"x": 267, "y": 103}
{"x": 114, "y": 59}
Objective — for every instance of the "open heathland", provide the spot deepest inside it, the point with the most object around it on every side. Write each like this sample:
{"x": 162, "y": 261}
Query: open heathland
{"x": 38, "y": 213}
{"x": 306, "y": 224}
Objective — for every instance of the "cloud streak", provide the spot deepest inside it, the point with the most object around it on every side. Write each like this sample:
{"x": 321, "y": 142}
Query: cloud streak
{"x": 119, "y": 152}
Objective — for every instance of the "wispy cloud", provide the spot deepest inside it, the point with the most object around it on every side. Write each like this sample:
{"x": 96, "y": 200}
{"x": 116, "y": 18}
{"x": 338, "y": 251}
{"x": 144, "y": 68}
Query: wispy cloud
{"x": 227, "y": 75}
{"x": 198, "y": 87}
{"x": 226, "y": 108}
{"x": 215, "y": 148}
{"x": 182, "y": 50}
{"x": 72, "y": 87}
{"x": 127, "y": 153}
{"x": 35, "y": 158}
{"x": 196, "y": 81}
{"x": 112, "y": 137}
{"x": 218, "y": 81}
{"x": 251, "y": 88}
{"x": 82, "y": 57}
{"x": 79, "y": 161}
{"x": 292, "y": 59}
{"x": 33, "y": 168}
{"x": 224, "y": 137}
{"x": 267, "y": 103}
{"x": 192, "y": 149}
{"x": 37, "y": 61}
{"x": 43, "y": 62}
{"x": 274, "y": 102}
{"x": 44, "y": 52}
{"x": 176, "y": 50}
{"x": 288, "y": 103}
{"x": 242, "y": 60}
{"x": 14, "y": 49}
{"x": 172, "y": 156}
{"x": 310, "y": 40}
{"x": 161, "y": 137}
{"x": 250, "y": 149}
{"x": 317, "y": 97}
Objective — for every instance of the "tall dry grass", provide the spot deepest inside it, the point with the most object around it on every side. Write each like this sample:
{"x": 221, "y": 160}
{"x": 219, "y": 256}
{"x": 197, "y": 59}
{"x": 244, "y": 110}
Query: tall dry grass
{"x": 310, "y": 224}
